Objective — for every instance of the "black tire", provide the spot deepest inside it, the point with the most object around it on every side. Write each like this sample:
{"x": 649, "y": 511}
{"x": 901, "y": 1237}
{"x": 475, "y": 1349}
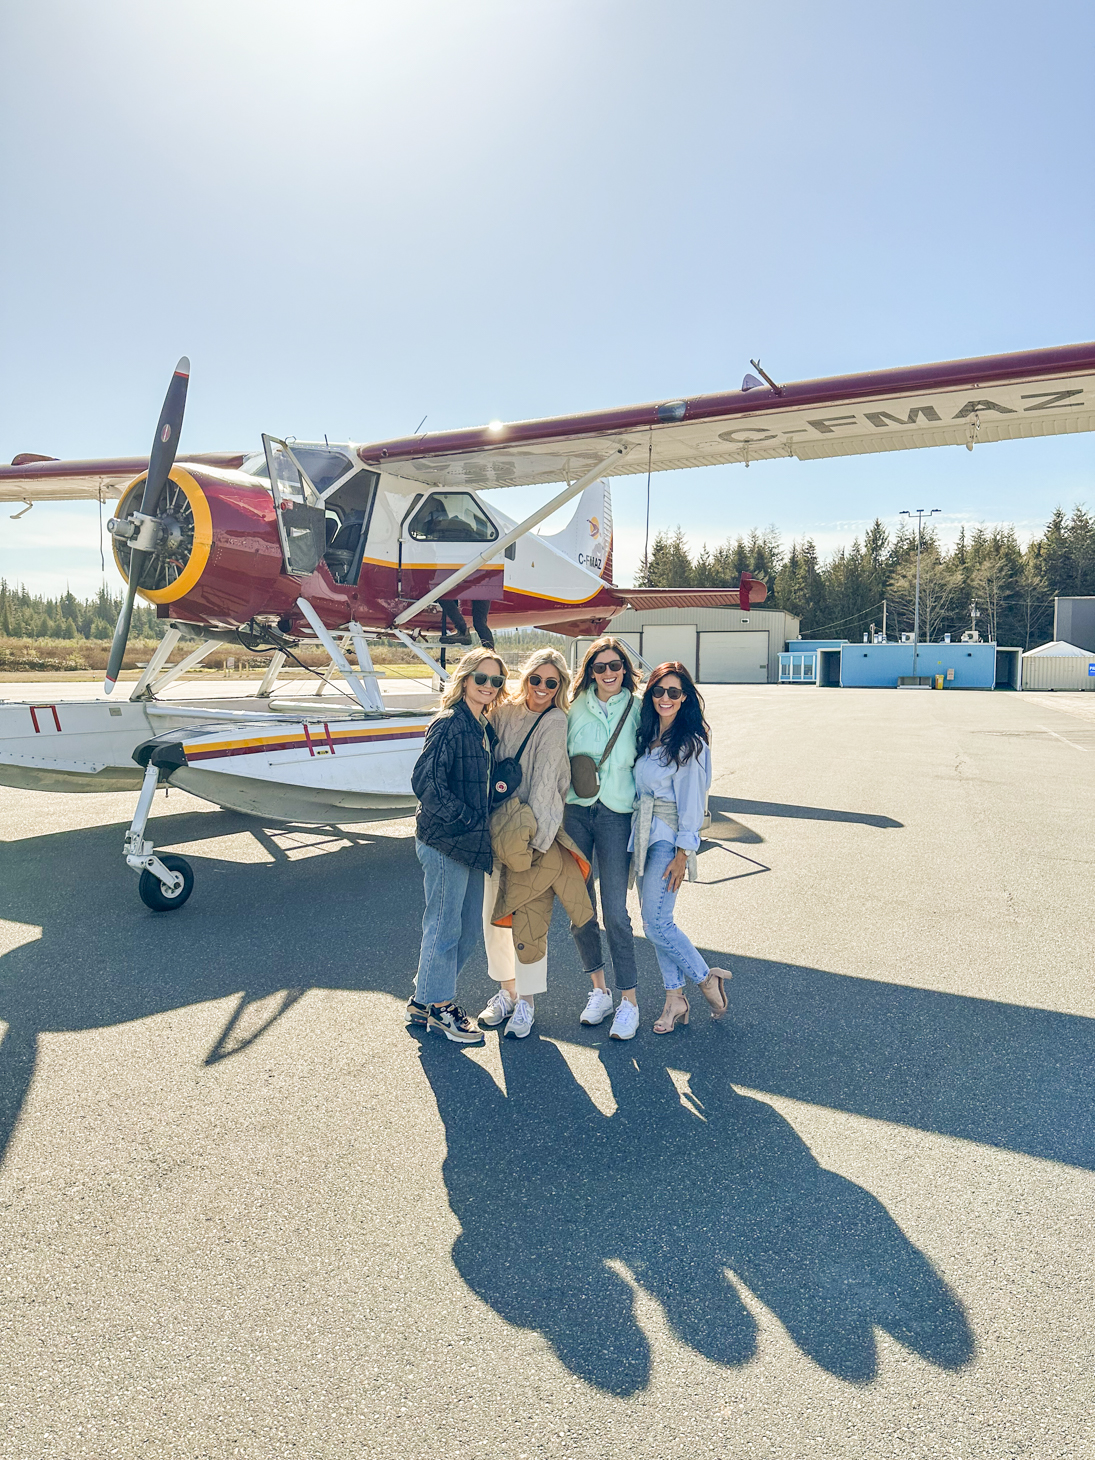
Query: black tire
{"x": 152, "y": 890}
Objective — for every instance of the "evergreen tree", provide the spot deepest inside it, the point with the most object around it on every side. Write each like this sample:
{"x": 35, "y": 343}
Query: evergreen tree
{"x": 669, "y": 565}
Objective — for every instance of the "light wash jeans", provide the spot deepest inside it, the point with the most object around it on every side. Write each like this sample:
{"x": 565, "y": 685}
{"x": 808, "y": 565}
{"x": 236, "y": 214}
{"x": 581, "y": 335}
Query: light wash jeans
{"x": 677, "y": 958}
{"x": 452, "y": 924}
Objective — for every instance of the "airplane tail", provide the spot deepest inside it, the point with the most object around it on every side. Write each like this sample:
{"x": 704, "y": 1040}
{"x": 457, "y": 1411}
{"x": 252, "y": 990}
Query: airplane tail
{"x": 587, "y": 537}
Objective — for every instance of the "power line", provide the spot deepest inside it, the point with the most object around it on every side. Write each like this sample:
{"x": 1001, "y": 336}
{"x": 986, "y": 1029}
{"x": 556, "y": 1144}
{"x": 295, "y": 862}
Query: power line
{"x": 836, "y": 623}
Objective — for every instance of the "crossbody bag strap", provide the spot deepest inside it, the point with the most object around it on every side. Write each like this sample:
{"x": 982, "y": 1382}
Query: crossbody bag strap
{"x": 615, "y": 735}
{"x": 528, "y": 737}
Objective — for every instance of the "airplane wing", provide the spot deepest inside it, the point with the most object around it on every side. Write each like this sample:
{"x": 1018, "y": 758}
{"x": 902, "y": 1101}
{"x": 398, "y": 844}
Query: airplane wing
{"x": 32, "y": 478}
{"x": 955, "y": 403}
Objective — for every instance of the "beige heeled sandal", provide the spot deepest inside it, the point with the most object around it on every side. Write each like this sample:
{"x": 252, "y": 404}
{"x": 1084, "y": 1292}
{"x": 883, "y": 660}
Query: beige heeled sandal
{"x": 713, "y": 990}
{"x": 673, "y": 1013}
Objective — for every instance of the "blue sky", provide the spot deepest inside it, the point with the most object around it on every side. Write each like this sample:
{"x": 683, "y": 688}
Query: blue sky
{"x": 351, "y": 215}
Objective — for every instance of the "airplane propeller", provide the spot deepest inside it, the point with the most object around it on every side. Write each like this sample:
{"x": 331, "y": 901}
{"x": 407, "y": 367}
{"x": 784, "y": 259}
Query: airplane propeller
{"x": 145, "y": 529}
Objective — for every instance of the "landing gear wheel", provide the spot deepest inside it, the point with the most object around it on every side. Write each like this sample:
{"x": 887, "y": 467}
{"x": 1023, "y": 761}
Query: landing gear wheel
{"x": 156, "y": 896}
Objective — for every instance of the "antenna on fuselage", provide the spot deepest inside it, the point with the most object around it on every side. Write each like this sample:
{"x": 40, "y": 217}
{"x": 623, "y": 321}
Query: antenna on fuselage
{"x": 765, "y": 376}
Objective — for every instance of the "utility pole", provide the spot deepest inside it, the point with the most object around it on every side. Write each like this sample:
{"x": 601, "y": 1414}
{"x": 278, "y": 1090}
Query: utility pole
{"x": 920, "y": 514}
{"x": 883, "y": 620}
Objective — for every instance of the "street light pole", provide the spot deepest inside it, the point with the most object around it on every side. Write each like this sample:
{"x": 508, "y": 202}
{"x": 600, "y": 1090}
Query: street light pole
{"x": 921, "y": 513}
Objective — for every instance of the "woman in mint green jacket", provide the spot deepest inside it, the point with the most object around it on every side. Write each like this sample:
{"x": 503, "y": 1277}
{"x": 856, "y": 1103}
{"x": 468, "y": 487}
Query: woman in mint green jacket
{"x": 603, "y": 696}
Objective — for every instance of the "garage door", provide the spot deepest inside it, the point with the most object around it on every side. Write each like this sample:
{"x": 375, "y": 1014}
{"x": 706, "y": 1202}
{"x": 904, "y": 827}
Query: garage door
{"x": 670, "y": 641}
{"x": 727, "y": 658}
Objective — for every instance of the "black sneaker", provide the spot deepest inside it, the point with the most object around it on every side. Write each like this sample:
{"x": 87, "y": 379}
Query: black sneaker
{"x": 454, "y": 1024}
{"x": 455, "y": 639}
{"x": 417, "y": 1013}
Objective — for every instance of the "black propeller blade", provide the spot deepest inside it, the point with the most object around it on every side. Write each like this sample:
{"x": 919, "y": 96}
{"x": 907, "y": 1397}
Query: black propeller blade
{"x": 168, "y": 429}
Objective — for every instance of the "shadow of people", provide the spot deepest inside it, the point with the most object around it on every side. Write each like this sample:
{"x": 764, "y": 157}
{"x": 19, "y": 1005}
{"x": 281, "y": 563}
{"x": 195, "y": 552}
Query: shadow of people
{"x": 693, "y": 1194}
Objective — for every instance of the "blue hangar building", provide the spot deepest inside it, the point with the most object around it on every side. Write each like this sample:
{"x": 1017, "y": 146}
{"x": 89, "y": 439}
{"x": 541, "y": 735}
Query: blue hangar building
{"x": 832, "y": 663}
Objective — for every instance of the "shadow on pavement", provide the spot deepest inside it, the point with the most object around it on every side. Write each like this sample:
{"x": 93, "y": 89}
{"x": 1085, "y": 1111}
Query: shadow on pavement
{"x": 732, "y": 807}
{"x": 548, "y": 1190}
{"x": 999, "y": 1074}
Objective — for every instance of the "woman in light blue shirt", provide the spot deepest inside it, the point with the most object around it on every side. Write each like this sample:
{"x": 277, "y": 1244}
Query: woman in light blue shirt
{"x": 672, "y": 778}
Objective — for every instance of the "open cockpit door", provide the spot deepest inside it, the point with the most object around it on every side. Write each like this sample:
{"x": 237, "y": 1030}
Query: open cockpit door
{"x": 324, "y": 502}
{"x": 298, "y": 509}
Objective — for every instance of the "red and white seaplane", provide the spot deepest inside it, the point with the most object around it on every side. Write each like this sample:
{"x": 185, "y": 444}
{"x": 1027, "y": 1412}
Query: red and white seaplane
{"x": 347, "y": 543}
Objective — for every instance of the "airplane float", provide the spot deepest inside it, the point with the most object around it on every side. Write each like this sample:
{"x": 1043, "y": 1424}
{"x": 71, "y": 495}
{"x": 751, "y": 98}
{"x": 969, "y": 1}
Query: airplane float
{"x": 344, "y": 543}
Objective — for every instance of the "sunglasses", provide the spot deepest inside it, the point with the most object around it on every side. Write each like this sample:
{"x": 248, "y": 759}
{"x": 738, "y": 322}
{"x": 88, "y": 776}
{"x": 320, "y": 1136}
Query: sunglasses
{"x": 608, "y": 666}
{"x": 496, "y": 679}
{"x": 662, "y": 693}
{"x": 547, "y": 683}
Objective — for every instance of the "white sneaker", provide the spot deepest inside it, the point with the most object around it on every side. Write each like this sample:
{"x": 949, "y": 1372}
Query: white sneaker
{"x": 524, "y": 1016}
{"x": 598, "y": 1007}
{"x": 626, "y": 1022}
{"x": 499, "y": 1008}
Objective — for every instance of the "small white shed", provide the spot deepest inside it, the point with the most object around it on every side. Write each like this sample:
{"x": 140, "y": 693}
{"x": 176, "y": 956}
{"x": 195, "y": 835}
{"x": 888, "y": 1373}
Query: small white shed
{"x": 1058, "y": 666}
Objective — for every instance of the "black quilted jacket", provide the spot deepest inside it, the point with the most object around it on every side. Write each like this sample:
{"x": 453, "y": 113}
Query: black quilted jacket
{"x": 451, "y": 779}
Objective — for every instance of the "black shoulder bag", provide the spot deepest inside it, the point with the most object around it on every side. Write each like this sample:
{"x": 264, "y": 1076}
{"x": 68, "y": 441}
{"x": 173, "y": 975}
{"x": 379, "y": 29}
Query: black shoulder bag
{"x": 506, "y": 775}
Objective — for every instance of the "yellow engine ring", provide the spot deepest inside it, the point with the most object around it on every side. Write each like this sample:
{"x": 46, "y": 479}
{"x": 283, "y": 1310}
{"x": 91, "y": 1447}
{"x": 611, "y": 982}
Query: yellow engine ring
{"x": 203, "y": 539}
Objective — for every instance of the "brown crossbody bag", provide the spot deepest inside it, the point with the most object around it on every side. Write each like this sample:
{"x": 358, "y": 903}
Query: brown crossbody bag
{"x": 585, "y": 771}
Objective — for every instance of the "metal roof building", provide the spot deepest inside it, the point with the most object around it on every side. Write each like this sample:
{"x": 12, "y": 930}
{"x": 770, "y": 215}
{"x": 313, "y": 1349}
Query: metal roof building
{"x": 718, "y": 645}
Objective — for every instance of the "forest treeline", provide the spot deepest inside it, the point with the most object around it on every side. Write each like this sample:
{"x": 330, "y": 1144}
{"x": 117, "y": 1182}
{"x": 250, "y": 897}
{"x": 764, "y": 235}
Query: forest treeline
{"x": 1011, "y": 587}
{"x": 26, "y": 615}
{"x": 987, "y": 573}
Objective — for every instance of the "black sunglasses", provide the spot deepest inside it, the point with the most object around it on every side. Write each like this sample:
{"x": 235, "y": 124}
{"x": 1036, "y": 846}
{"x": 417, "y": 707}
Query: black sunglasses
{"x": 496, "y": 679}
{"x": 547, "y": 683}
{"x": 608, "y": 666}
{"x": 662, "y": 692}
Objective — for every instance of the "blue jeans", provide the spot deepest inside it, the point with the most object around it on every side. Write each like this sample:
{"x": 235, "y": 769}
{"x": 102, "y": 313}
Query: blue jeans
{"x": 677, "y": 958}
{"x": 452, "y": 924}
{"x": 597, "y": 829}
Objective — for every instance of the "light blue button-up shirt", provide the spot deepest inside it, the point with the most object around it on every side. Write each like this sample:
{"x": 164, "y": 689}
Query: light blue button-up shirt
{"x": 688, "y": 785}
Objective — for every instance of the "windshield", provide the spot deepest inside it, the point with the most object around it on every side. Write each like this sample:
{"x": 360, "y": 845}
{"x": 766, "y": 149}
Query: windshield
{"x": 323, "y": 464}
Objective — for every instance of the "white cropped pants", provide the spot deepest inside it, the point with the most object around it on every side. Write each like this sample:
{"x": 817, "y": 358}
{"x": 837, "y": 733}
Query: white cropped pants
{"x": 503, "y": 964}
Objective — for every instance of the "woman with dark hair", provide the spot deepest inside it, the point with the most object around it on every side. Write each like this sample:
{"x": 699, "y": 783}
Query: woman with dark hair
{"x": 601, "y": 729}
{"x": 672, "y": 778}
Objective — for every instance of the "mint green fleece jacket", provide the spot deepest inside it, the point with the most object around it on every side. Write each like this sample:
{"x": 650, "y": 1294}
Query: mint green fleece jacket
{"x": 590, "y": 723}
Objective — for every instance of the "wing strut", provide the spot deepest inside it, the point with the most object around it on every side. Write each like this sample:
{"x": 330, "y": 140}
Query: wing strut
{"x": 444, "y": 590}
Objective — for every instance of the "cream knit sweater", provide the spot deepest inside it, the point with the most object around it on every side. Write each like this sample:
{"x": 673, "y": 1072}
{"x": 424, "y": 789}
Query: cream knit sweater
{"x": 545, "y": 764}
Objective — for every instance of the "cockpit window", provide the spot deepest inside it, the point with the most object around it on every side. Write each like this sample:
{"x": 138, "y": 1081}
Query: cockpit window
{"x": 323, "y": 464}
{"x": 451, "y": 517}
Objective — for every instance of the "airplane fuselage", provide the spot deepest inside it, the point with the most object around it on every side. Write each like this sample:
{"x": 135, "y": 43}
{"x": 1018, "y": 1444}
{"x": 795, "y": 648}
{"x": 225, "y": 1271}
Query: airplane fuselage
{"x": 377, "y": 545}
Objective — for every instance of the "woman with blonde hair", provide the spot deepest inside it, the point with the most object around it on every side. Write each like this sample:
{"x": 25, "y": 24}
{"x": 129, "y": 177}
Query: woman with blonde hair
{"x": 601, "y": 730}
{"x": 452, "y": 779}
{"x": 531, "y": 727}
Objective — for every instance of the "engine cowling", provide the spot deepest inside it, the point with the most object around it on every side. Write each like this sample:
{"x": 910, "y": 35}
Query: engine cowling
{"x": 216, "y": 558}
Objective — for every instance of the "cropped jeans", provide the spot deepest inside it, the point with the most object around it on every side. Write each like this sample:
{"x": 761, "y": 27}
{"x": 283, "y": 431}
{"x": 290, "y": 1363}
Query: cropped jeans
{"x": 677, "y": 958}
{"x": 596, "y": 829}
{"x": 452, "y": 924}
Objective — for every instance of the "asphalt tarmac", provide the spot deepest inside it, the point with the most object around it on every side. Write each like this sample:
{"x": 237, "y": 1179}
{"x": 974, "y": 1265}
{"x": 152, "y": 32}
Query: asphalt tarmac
{"x": 245, "y": 1212}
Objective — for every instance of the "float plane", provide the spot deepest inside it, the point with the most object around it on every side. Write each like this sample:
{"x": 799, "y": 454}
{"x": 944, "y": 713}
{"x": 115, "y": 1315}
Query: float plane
{"x": 346, "y": 543}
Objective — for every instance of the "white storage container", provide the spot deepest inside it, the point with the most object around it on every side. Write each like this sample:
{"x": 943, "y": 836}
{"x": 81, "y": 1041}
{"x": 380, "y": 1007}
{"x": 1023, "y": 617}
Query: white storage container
{"x": 1058, "y": 666}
